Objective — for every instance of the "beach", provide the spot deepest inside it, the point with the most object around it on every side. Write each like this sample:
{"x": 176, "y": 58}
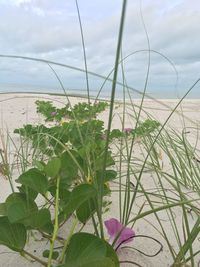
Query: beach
{"x": 17, "y": 110}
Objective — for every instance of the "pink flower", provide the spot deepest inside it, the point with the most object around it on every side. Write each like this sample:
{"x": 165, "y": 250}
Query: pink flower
{"x": 128, "y": 130}
{"x": 53, "y": 113}
{"x": 115, "y": 228}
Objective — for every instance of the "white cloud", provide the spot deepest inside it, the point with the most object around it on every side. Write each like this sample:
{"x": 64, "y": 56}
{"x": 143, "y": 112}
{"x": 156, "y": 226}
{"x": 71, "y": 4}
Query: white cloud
{"x": 50, "y": 30}
{"x": 16, "y": 2}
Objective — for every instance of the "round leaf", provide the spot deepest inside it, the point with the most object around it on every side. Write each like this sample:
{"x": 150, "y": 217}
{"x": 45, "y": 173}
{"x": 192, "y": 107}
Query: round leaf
{"x": 112, "y": 254}
{"x": 69, "y": 169}
{"x": 30, "y": 193}
{"x": 85, "y": 211}
{"x": 3, "y": 209}
{"x": 41, "y": 220}
{"x": 104, "y": 262}
{"x": 34, "y": 179}
{"x": 12, "y": 235}
{"x": 19, "y": 208}
{"x": 83, "y": 249}
{"x": 52, "y": 168}
{"x": 79, "y": 195}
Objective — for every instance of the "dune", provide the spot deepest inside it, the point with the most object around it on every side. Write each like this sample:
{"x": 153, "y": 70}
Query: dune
{"x": 17, "y": 110}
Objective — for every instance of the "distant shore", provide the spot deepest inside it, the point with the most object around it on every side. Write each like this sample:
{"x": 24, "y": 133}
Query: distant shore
{"x": 105, "y": 93}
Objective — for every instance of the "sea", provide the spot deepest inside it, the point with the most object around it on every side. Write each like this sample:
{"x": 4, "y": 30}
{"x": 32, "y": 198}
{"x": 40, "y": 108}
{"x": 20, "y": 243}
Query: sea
{"x": 104, "y": 93}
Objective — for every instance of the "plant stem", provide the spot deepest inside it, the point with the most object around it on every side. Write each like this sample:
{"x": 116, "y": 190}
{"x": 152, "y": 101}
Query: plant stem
{"x": 56, "y": 225}
{"x": 59, "y": 238}
{"x": 95, "y": 226}
{"x": 84, "y": 51}
{"x": 34, "y": 257}
{"x": 112, "y": 100}
{"x": 68, "y": 239}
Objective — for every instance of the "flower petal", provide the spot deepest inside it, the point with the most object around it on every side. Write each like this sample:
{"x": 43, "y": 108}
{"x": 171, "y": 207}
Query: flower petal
{"x": 113, "y": 226}
{"x": 126, "y": 236}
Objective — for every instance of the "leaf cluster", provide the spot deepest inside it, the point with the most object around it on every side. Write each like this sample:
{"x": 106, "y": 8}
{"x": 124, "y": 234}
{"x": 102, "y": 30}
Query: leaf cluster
{"x": 80, "y": 111}
{"x": 70, "y": 176}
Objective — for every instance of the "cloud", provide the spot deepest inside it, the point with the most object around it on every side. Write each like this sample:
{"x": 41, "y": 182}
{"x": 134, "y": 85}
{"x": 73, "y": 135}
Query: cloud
{"x": 50, "y": 30}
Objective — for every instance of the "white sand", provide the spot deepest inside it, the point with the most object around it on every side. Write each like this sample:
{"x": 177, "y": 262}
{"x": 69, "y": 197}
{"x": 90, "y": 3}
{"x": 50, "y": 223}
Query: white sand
{"x": 19, "y": 109}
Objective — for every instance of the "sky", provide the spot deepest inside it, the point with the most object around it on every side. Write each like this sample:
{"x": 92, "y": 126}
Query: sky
{"x": 49, "y": 30}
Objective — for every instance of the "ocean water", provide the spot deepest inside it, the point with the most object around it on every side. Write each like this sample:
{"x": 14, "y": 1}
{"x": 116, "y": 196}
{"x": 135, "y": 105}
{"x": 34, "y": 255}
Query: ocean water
{"x": 105, "y": 92}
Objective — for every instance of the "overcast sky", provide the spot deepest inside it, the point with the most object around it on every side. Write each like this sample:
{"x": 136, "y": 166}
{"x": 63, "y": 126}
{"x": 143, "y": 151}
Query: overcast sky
{"x": 49, "y": 29}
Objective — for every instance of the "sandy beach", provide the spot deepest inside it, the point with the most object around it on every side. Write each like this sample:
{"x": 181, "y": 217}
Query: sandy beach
{"x": 17, "y": 110}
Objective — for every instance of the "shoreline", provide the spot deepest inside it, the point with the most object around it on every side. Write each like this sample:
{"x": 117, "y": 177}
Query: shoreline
{"x": 147, "y": 98}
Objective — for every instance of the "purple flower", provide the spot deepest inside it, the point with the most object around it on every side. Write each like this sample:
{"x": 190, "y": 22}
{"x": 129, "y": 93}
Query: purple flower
{"x": 115, "y": 228}
{"x": 53, "y": 113}
{"x": 128, "y": 130}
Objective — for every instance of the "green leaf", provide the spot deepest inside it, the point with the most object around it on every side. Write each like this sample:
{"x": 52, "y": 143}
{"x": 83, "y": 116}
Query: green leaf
{"x": 12, "y": 235}
{"x": 40, "y": 219}
{"x": 39, "y": 165}
{"x": 69, "y": 169}
{"x": 3, "y": 209}
{"x": 87, "y": 250}
{"x": 78, "y": 196}
{"x": 100, "y": 161}
{"x": 30, "y": 193}
{"x": 109, "y": 175}
{"x": 19, "y": 208}
{"x": 34, "y": 179}
{"x": 47, "y": 228}
{"x": 85, "y": 211}
{"x": 104, "y": 262}
{"x": 115, "y": 133}
{"x": 55, "y": 254}
{"x": 53, "y": 167}
{"x": 64, "y": 194}
{"x": 110, "y": 253}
